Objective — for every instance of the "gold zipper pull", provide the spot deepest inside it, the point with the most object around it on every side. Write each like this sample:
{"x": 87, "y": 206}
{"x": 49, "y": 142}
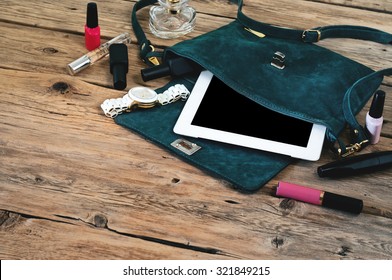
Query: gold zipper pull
{"x": 154, "y": 60}
{"x": 258, "y": 34}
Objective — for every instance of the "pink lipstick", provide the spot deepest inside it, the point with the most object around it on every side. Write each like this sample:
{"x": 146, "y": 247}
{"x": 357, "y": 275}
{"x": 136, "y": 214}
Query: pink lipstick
{"x": 92, "y": 31}
{"x": 318, "y": 197}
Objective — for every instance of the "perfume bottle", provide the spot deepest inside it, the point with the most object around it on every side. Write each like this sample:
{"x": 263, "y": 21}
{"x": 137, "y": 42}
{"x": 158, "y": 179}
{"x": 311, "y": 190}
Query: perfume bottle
{"x": 93, "y": 56}
{"x": 172, "y": 18}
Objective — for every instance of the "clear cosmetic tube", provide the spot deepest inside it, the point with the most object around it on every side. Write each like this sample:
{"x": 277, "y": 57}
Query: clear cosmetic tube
{"x": 95, "y": 55}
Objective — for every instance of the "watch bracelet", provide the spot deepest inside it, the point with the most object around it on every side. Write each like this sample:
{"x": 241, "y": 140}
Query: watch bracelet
{"x": 115, "y": 106}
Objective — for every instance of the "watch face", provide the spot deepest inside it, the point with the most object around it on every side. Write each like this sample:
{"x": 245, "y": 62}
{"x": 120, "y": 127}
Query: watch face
{"x": 143, "y": 95}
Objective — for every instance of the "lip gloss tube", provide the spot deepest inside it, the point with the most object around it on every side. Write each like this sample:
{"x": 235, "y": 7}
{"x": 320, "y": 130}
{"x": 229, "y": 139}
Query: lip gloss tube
{"x": 318, "y": 197}
{"x": 95, "y": 55}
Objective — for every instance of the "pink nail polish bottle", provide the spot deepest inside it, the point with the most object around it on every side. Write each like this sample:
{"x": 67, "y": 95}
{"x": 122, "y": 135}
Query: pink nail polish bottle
{"x": 374, "y": 118}
{"x": 92, "y": 31}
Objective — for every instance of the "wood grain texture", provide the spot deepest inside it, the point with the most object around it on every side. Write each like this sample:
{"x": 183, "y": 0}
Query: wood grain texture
{"x": 74, "y": 185}
{"x": 116, "y": 19}
{"x": 380, "y": 6}
{"x": 75, "y": 239}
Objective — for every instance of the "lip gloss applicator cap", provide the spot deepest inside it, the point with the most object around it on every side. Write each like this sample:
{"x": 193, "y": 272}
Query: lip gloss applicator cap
{"x": 92, "y": 31}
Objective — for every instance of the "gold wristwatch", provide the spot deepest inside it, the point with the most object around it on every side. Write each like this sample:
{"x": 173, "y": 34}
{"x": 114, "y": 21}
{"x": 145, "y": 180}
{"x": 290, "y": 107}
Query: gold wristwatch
{"x": 143, "y": 97}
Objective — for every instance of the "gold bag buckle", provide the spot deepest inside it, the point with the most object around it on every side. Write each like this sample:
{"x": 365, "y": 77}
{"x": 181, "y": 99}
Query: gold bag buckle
{"x": 153, "y": 59}
{"x": 318, "y": 32}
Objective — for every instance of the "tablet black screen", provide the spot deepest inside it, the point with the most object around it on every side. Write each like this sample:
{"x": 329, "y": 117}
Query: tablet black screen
{"x": 224, "y": 109}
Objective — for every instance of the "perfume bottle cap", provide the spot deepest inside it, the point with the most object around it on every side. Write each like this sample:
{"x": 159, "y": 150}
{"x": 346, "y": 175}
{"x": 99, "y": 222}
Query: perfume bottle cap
{"x": 78, "y": 65}
{"x": 92, "y": 15}
{"x": 377, "y": 106}
{"x": 119, "y": 65}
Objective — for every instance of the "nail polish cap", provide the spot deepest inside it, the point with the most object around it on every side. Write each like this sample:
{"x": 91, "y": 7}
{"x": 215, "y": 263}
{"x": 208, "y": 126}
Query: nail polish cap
{"x": 118, "y": 54}
{"x": 377, "y": 106}
{"x": 92, "y": 15}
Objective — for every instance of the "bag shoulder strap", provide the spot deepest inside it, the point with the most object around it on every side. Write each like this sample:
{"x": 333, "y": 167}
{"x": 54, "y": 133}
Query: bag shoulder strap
{"x": 316, "y": 34}
{"x": 145, "y": 47}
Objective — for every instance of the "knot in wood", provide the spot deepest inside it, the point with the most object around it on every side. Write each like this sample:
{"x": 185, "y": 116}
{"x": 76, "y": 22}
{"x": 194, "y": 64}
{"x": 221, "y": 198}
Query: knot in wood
{"x": 61, "y": 87}
{"x": 287, "y": 204}
{"x": 175, "y": 180}
{"x": 100, "y": 221}
{"x": 50, "y": 50}
{"x": 38, "y": 180}
{"x": 344, "y": 250}
{"x": 8, "y": 219}
{"x": 277, "y": 242}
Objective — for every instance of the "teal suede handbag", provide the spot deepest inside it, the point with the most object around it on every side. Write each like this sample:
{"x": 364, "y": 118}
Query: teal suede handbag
{"x": 316, "y": 85}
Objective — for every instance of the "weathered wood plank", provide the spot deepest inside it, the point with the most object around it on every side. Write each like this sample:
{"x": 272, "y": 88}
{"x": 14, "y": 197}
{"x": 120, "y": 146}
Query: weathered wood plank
{"x": 116, "y": 15}
{"x": 75, "y": 239}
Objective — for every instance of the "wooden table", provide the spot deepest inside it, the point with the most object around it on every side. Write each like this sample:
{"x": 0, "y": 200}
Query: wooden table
{"x": 75, "y": 185}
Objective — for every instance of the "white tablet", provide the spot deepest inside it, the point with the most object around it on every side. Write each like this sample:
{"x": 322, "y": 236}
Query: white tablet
{"x": 214, "y": 111}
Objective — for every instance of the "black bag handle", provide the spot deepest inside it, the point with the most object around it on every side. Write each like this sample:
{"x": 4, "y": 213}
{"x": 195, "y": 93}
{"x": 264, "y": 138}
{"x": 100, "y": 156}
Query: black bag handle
{"x": 147, "y": 50}
{"x": 316, "y": 34}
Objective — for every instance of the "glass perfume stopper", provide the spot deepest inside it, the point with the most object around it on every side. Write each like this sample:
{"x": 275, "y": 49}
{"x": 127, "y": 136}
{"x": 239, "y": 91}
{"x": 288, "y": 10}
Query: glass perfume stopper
{"x": 172, "y": 18}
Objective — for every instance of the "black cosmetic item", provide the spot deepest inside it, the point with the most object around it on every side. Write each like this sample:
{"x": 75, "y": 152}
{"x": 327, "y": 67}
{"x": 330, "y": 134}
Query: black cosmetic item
{"x": 119, "y": 65}
{"x": 356, "y": 165}
{"x": 174, "y": 67}
{"x": 92, "y": 15}
{"x": 377, "y": 105}
{"x": 342, "y": 203}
